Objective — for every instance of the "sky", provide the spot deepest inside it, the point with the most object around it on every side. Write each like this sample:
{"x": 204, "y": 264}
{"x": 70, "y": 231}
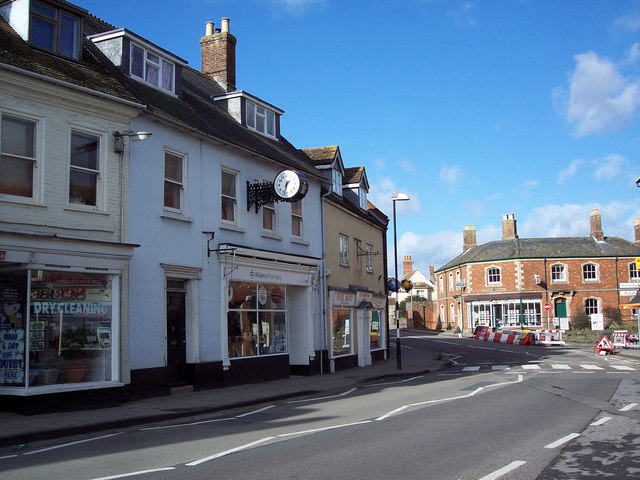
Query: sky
{"x": 474, "y": 109}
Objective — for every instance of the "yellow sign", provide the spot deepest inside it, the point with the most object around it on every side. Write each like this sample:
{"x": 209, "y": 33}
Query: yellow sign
{"x": 638, "y": 263}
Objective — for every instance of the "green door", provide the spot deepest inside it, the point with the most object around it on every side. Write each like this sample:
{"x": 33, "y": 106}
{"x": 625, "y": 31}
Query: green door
{"x": 561, "y": 307}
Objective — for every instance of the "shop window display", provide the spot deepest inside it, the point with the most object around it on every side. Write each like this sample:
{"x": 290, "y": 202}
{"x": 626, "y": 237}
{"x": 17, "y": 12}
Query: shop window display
{"x": 341, "y": 330}
{"x": 256, "y": 319}
{"x": 375, "y": 335}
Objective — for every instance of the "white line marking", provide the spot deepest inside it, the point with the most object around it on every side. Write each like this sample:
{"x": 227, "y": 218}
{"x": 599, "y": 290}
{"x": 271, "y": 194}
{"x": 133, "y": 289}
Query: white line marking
{"x": 588, "y": 366}
{"x": 602, "y": 421}
{"x": 72, "y": 443}
{"x": 180, "y": 425}
{"x": 230, "y": 451}
{"x": 501, "y": 367}
{"x": 255, "y": 411}
{"x": 325, "y": 398}
{"x": 141, "y": 472}
{"x": 323, "y": 429}
{"x": 503, "y": 470}
{"x": 448, "y": 343}
{"x": 560, "y": 366}
{"x": 622, "y": 367}
{"x": 628, "y": 407}
{"x": 8, "y": 456}
{"x": 531, "y": 367}
{"x": 562, "y": 440}
{"x": 471, "y": 369}
{"x": 391, "y": 383}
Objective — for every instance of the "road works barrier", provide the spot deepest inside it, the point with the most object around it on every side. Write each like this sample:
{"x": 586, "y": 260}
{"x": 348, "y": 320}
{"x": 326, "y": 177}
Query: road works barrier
{"x": 549, "y": 337}
{"x": 622, "y": 339}
{"x": 506, "y": 336}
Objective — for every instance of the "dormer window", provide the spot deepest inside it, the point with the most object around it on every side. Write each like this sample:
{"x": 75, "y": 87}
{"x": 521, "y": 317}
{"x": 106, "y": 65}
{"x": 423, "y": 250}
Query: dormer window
{"x": 54, "y": 30}
{"x": 151, "y": 69}
{"x": 336, "y": 182}
{"x": 362, "y": 197}
{"x": 261, "y": 120}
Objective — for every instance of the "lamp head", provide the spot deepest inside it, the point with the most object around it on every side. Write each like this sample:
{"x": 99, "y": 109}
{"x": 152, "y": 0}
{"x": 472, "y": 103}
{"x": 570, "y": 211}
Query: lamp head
{"x": 398, "y": 197}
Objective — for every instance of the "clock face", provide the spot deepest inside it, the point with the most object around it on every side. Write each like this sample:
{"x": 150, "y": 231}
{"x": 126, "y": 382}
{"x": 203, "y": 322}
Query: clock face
{"x": 287, "y": 184}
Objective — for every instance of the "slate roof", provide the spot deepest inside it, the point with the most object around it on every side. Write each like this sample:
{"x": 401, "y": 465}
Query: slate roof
{"x": 352, "y": 175}
{"x": 532, "y": 248}
{"x": 321, "y": 156}
{"x": 194, "y": 110}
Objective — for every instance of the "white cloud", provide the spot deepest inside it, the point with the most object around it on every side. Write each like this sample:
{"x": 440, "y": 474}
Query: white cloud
{"x": 627, "y": 24}
{"x": 600, "y": 99}
{"x": 298, "y": 6}
{"x": 633, "y": 55}
{"x": 380, "y": 195}
{"x": 570, "y": 171}
{"x": 451, "y": 175}
{"x": 462, "y": 15}
{"x": 609, "y": 167}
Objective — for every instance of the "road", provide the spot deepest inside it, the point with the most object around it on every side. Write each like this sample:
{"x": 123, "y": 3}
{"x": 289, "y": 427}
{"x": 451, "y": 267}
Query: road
{"x": 499, "y": 411}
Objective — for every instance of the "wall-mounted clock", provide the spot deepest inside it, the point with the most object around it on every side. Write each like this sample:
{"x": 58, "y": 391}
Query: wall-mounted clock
{"x": 290, "y": 185}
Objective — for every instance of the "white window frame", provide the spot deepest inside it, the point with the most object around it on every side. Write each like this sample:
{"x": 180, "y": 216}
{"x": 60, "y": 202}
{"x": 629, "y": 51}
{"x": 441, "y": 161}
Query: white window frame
{"x": 260, "y": 119}
{"x": 36, "y": 160}
{"x": 491, "y": 272}
{"x": 180, "y": 183}
{"x": 441, "y": 282}
{"x": 99, "y": 172}
{"x": 297, "y": 218}
{"x": 362, "y": 198}
{"x": 595, "y": 273}
{"x": 344, "y": 250}
{"x": 450, "y": 280}
{"x": 559, "y": 273}
{"x": 589, "y": 307}
{"x": 336, "y": 182}
{"x": 147, "y": 63}
{"x": 634, "y": 272}
{"x": 369, "y": 249}
{"x": 234, "y": 198}
{"x": 269, "y": 210}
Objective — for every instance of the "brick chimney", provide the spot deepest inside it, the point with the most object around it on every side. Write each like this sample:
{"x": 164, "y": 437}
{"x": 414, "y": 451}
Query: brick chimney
{"x": 432, "y": 272}
{"x": 509, "y": 231}
{"x": 407, "y": 266}
{"x": 468, "y": 238}
{"x": 219, "y": 55}
{"x": 636, "y": 229}
{"x": 596, "y": 225}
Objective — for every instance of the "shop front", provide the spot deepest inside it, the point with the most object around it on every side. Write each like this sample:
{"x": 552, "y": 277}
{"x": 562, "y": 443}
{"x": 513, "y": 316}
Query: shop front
{"x": 270, "y": 310}
{"x": 59, "y": 331}
{"x": 514, "y": 311}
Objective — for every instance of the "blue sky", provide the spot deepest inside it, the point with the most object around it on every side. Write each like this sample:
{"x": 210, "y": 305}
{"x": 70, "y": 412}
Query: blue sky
{"x": 474, "y": 109}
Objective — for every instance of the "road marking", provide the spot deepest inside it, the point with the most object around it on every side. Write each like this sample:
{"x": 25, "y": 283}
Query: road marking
{"x": 602, "y": 421}
{"x": 589, "y": 366}
{"x": 531, "y": 367}
{"x": 397, "y": 381}
{"x": 323, "y": 429}
{"x": 230, "y": 451}
{"x": 622, "y": 367}
{"x": 628, "y": 407}
{"x": 560, "y": 366}
{"x": 191, "y": 424}
{"x": 501, "y": 367}
{"x": 73, "y": 443}
{"x": 8, "y": 456}
{"x": 141, "y": 472}
{"x": 448, "y": 343}
{"x": 563, "y": 440}
{"x": 255, "y": 411}
{"x": 504, "y": 470}
{"x": 471, "y": 369}
{"x": 324, "y": 398}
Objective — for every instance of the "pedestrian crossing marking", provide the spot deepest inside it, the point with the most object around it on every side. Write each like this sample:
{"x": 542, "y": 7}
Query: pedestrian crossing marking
{"x": 588, "y": 366}
{"x": 622, "y": 367}
{"x": 501, "y": 367}
{"x": 560, "y": 366}
{"x": 471, "y": 369}
{"x": 531, "y": 367}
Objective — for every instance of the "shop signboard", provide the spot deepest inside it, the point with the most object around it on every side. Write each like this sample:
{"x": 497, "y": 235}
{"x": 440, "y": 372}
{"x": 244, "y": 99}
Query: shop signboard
{"x": 342, "y": 299}
{"x": 267, "y": 275}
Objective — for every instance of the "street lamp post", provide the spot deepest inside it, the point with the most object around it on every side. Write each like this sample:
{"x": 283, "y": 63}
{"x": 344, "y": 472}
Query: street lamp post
{"x": 397, "y": 197}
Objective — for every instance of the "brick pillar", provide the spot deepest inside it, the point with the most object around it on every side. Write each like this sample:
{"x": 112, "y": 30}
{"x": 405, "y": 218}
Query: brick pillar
{"x": 407, "y": 266}
{"x": 218, "y": 52}
{"x": 596, "y": 225}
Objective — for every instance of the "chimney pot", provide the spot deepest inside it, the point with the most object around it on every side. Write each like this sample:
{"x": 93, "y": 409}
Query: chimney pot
{"x": 218, "y": 54}
{"x": 225, "y": 25}
{"x": 209, "y": 29}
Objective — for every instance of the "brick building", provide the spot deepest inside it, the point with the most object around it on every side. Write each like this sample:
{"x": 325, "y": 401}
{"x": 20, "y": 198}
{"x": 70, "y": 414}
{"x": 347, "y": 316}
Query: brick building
{"x": 507, "y": 282}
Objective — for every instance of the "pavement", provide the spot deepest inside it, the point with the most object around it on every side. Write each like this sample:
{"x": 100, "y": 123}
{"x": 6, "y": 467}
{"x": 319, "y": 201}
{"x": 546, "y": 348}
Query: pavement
{"x": 18, "y": 430}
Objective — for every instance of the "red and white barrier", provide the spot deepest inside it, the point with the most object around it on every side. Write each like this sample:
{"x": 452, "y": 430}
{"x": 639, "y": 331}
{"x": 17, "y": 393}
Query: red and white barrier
{"x": 549, "y": 337}
{"x": 509, "y": 337}
{"x": 622, "y": 339}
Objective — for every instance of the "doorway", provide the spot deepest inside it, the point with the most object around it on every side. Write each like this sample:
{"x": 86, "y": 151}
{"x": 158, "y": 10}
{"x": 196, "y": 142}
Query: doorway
{"x": 176, "y": 333}
{"x": 560, "y": 307}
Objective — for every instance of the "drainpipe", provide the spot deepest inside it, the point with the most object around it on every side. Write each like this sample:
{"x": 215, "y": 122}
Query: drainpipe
{"x": 323, "y": 283}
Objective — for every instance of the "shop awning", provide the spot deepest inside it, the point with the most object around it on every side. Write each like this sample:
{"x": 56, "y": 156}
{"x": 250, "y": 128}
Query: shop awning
{"x": 503, "y": 296}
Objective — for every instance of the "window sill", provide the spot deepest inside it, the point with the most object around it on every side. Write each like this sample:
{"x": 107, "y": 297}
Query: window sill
{"x": 21, "y": 200}
{"x": 85, "y": 209}
{"x": 232, "y": 227}
{"x": 300, "y": 241}
{"x": 176, "y": 216}
{"x": 271, "y": 235}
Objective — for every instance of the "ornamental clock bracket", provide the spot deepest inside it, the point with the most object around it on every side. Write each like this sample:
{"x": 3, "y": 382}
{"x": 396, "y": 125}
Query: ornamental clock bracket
{"x": 287, "y": 186}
